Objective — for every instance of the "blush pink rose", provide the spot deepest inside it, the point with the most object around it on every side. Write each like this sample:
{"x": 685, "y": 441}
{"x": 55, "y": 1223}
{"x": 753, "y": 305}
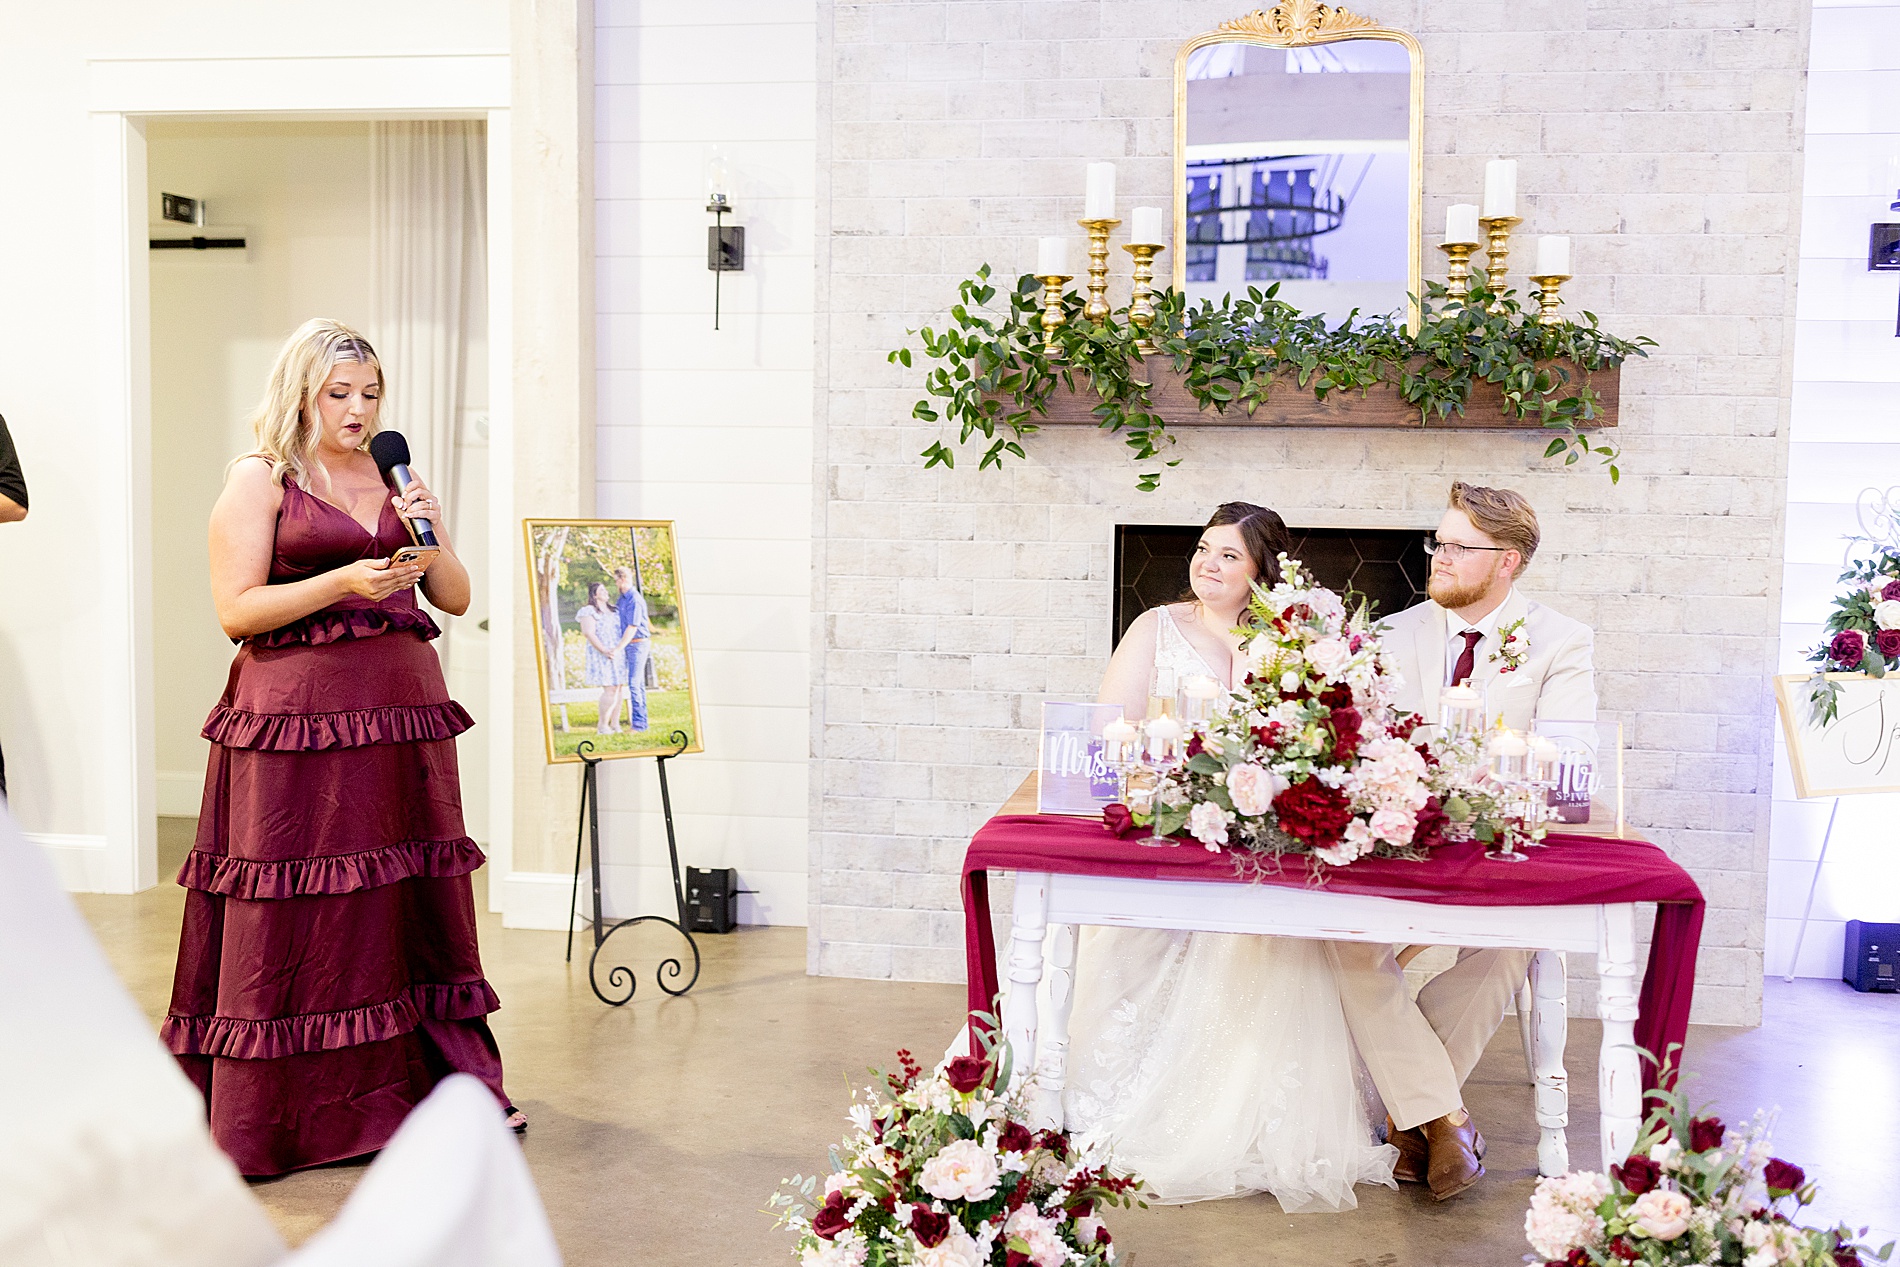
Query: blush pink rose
{"x": 1251, "y": 788}
{"x": 963, "y": 1170}
{"x": 1662, "y": 1215}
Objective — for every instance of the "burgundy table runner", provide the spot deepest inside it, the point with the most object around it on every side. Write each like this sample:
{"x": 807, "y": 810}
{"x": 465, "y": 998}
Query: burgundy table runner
{"x": 1570, "y": 871}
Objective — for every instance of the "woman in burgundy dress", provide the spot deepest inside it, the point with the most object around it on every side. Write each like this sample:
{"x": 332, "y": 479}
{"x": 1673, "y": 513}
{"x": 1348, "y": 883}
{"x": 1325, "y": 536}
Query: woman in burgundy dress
{"x": 327, "y": 970}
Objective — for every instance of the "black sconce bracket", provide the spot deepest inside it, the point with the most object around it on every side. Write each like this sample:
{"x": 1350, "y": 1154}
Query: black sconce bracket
{"x": 725, "y": 247}
{"x": 1883, "y": 254}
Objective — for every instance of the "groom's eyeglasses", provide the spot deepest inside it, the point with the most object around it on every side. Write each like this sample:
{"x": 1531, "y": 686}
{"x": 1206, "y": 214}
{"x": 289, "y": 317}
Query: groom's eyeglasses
{"x": 1454, "y": 551}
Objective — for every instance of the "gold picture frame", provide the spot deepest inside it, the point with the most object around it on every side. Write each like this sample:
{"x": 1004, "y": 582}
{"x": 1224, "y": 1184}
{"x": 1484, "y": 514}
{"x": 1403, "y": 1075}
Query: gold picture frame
{"x": 566, "y": 560}
{"x": 1297, "y": 24}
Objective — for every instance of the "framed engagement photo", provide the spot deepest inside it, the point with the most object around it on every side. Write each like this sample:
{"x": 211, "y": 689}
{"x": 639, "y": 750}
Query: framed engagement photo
{"x": 611, "y": 651}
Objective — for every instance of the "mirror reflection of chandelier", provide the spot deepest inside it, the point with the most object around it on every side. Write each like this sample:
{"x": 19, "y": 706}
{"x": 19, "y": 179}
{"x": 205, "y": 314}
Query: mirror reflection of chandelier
{"x": 1275, "y": 207}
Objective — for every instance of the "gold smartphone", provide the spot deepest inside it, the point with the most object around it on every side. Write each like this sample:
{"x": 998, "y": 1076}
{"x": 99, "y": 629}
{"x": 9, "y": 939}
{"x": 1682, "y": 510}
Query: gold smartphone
{"x": 425, "y": 555}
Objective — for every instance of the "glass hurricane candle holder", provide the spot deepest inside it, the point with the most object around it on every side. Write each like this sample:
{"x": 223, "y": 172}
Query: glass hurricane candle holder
{"x": 1460, "y": 710}
{"x": 1510, "y": 767}
{"x": 1165, "y": 736}
{"x": 1198, "y": 697}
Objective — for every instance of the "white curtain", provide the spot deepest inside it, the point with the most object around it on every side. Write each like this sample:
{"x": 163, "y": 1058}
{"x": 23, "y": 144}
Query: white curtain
{"x": 428, "y": 253}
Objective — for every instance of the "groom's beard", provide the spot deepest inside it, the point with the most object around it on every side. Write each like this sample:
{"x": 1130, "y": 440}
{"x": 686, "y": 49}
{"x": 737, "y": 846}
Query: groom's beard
{"x": 1449, "y": 594}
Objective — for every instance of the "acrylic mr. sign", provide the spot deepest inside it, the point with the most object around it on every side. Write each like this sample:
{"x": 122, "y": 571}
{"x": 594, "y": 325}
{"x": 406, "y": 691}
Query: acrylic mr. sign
{"x": 1074, "y": 776}
{"x": 1859, "y": 751}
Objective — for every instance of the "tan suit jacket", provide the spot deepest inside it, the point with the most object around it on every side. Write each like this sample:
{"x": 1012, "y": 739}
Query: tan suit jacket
{"x": 1555, "y": 682}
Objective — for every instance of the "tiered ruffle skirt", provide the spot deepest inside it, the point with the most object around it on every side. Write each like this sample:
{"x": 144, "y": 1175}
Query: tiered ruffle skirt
{"x": 328, "y": 974}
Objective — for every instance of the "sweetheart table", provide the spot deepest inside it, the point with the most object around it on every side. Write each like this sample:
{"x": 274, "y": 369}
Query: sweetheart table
{"x": 1577, "y": 893}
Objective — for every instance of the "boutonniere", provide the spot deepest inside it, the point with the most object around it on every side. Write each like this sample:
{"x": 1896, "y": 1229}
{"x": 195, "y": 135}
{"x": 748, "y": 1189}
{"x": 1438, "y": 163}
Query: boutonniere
{"x": 1513, "y": 646}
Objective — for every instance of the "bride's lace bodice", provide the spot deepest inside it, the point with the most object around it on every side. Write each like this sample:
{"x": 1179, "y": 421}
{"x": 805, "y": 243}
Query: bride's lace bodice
{"x": 1176, "y": 660}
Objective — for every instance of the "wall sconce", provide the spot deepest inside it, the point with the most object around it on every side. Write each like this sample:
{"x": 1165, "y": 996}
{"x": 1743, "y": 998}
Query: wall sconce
{"x": 725, "y": 246}
{"x": 1883, "y": 253}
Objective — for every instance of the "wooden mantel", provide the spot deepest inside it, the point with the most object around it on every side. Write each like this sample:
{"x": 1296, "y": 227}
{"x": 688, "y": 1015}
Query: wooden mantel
{"x": 1290, "y": 405}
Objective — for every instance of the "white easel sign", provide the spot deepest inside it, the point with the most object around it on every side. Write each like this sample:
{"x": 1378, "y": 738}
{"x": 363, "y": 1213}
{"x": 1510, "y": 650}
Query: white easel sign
{"x": 1859, "y": 751}
{"x": 1073, "y": 775}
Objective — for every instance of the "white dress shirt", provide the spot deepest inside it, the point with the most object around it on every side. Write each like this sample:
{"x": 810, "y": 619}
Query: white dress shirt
{"x": 1455, "y": 627}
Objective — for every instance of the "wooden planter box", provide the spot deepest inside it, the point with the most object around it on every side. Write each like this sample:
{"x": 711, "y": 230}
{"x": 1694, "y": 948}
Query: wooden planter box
{"x": 1291, "y": 405}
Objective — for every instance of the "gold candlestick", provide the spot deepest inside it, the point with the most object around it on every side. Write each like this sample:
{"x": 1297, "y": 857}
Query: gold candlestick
{"x": 1052, "y": 314}
{"x": 1497, "y": 252}
{"x": 1141, "y": 307}
{"x": 1458, "y": 269}
{"x": 1097, "y": 307}
{"x": 1547, "y": 298}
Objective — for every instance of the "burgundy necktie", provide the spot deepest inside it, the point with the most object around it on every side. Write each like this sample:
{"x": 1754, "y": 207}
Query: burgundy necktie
{"x": 1468, "y": 658}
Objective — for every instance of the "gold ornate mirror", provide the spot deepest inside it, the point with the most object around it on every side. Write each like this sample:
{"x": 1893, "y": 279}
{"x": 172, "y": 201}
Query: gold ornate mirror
{"x": 1297, "y": 140}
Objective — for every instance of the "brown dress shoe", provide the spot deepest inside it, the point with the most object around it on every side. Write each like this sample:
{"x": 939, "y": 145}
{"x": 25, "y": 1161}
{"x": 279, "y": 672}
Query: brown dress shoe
{"x": 1411, "y": 1165}
{"x": 1452, "y": 1149}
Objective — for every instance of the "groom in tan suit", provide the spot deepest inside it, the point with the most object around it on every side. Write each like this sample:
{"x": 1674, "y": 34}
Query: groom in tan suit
{"x": 1419, "y": 1054}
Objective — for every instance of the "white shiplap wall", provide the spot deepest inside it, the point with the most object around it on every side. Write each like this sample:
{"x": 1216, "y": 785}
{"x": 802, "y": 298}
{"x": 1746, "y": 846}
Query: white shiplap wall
{"x": 713, "y": 429}
{"x": 1844, "y": 437}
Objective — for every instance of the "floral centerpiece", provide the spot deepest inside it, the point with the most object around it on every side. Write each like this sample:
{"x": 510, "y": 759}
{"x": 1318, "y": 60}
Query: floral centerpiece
{"x": 944, "y": 1170}
{"x": 1309, "y": 756}
{"x": 1693, "y": 1191}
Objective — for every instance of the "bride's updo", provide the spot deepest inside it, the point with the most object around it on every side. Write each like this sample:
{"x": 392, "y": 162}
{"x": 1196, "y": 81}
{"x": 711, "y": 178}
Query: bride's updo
{"x": 1264, "y": 535}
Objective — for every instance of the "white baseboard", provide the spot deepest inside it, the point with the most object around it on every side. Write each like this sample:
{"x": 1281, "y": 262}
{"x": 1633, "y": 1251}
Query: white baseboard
{"x": 80, "y": 861}
{"x": 539, "y": 899}
{"x": 180, "y": 793}
{"x": 532, "y": 899}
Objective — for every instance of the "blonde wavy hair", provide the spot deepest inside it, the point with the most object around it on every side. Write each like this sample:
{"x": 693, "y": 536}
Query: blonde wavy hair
{"x": 286, "y": 420}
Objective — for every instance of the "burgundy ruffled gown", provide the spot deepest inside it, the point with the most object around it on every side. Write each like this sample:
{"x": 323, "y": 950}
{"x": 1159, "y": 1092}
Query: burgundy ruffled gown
{"x": 328, "y": 975}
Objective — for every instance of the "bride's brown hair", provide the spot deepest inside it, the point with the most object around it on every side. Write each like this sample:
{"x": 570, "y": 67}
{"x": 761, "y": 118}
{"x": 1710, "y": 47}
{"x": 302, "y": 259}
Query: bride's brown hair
{"x": 1262, "y": 532}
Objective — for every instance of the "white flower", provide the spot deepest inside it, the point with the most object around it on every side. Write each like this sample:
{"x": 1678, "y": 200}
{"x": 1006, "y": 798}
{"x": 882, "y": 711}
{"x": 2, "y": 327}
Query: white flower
{"x": 1039, "y": 1233}
{"x": 1338, "y": 855}
{"x": 1887, "y": 613}
{"x": 1289, "y": 681}
{"x": 1330, "y": 656}
{"x": 963, "y": 1170}
{"x": 954, "y": 1250}
{"x": 836, "y": 1182}
{"x": 861, "y": 1116}
{"x": 1207, "y": 823}
{"x": 847, "y": 1251}
{"x": 1667, "y": 1153}
{"x": 1086, "y": 1227}
{"x": 1663, "y": 1215}
{"x": 1394, "y": 825}
{"x": 1253, "y": 788}
{"x": 1563, "y": 1214}
{"x": 1773, "y": 1243}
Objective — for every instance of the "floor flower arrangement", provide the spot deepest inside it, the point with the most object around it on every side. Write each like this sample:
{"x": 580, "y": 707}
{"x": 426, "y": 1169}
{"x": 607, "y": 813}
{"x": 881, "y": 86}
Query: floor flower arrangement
{"x": 1693, "y": 1191}
{"x": 944, "y": 1170}
{"x": 1308, "y": 754}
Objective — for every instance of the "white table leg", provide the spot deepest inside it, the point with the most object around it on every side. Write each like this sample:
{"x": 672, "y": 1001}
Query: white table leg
{"x": 1526, "y": 1004}
{"x": 1549, "y": 1025}
{"x": 1052, "y": 1043}
{"x": 1027, "y": 925}
{"x": 1619, "y": 1071}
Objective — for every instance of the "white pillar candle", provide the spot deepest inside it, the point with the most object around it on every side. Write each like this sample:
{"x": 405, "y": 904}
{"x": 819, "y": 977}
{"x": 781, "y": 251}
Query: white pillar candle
{"x": 1553, "y": 256}
{"x": 1119, "y": 731}
{"x": 1201, "y": 687}
{"x": 1164, "y": 741}
{"x": 1052, "y": 258}
{"x": 1508, "y": 743}
{"x": 1147, "y": 228}
{"x": 1500, "y": 188}
{"x": 1100, "y": 202}
{"x": 1461, "y": 223}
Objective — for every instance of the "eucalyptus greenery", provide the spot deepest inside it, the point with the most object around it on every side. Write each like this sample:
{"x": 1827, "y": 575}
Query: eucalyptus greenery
{"x": 993, "y": 376}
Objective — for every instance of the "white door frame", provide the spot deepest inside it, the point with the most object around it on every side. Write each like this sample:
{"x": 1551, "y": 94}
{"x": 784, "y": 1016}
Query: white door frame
{"x": 121, "y": 94}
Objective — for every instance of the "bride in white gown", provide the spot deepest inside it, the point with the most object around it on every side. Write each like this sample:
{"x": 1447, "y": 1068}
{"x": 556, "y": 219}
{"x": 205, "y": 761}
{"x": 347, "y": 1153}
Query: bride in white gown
{"x": 1216, "y": 1064}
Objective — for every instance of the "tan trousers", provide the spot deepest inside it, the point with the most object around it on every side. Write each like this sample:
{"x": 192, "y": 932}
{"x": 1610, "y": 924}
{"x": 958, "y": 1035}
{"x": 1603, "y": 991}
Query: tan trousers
{"x": 1419, "y": 1054}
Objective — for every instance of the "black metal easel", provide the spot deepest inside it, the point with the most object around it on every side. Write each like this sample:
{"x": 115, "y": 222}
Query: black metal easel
{"x": 621, "y": 975}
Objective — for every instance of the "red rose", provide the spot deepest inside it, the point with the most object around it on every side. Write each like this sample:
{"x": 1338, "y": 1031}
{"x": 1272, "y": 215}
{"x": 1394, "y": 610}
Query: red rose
{"x": 1101, "y": 1236}
{"x": 1338, "y": 695}
{"x": 1847, "y": 1255}
{"x": 1053, "y": 1142}
{"x": 928, "y": 1226}
{"x": 967, "y": 1073}
{"x": 1705, "y": 1133}
{"x": 830, "y": 1220}
{"x": 1015, "y": 1138}
{"x": 1345, "y": 722}
{"x": 1194, "y": 745}
{"x": 1887, "y": 641}
{"x": 1891, "y": 591}
{"x": 1848, "y": 648}
{"x": 1117, "y": 819}
{"x": 1313, "y": 812}
{"x": 1783, "y": 1177}
{"x": 1624, "y": 1250}
{"x": 1081, "y": 1209}
{"x": 1016, "y": 1258}
{"x": 1637, "y": 1175}
{"x": 1430, "y": 832}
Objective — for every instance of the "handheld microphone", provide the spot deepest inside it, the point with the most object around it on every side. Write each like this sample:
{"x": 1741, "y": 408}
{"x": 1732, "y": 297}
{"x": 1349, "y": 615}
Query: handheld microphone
{"x": 391, "y": 452}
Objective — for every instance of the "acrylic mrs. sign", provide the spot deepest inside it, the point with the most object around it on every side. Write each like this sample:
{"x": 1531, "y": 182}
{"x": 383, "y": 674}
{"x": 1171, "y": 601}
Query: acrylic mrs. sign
{"x": 1073, "y": 775}
{"x": 1859, "y": 751}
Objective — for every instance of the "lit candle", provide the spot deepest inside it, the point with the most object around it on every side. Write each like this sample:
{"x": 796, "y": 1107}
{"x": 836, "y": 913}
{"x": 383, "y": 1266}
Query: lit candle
{"x": 1509, "y": 754}
{"x": 1461, "y": 224}
{"x": 1119, "y": 742}
{"x": 1164, "y": 741}
{"x": 1119, "y": 731}
{"x": 1052, "y": 258}
{"x": 1147, "y": 227}
{"x": 1543, "y": 760}
{"x": 1201, "y": 687}
{"x": 1500, "y": 188}
{"x": 1461, "y": 709}
{"x": 1100, "y": 202}
{"x": 1553, "y": 256}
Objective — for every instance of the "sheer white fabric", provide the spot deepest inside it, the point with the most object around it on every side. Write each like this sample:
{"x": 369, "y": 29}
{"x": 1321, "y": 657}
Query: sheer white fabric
{"x": 1218, "y": 1064}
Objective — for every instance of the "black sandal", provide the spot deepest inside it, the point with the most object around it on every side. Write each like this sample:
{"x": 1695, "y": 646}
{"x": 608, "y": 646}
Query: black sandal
{"x": 510, "y": 1111}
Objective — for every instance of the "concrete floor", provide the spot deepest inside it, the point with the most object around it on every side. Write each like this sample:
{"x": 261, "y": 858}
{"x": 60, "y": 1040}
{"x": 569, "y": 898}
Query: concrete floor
{"x": 659, "y": 1129}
